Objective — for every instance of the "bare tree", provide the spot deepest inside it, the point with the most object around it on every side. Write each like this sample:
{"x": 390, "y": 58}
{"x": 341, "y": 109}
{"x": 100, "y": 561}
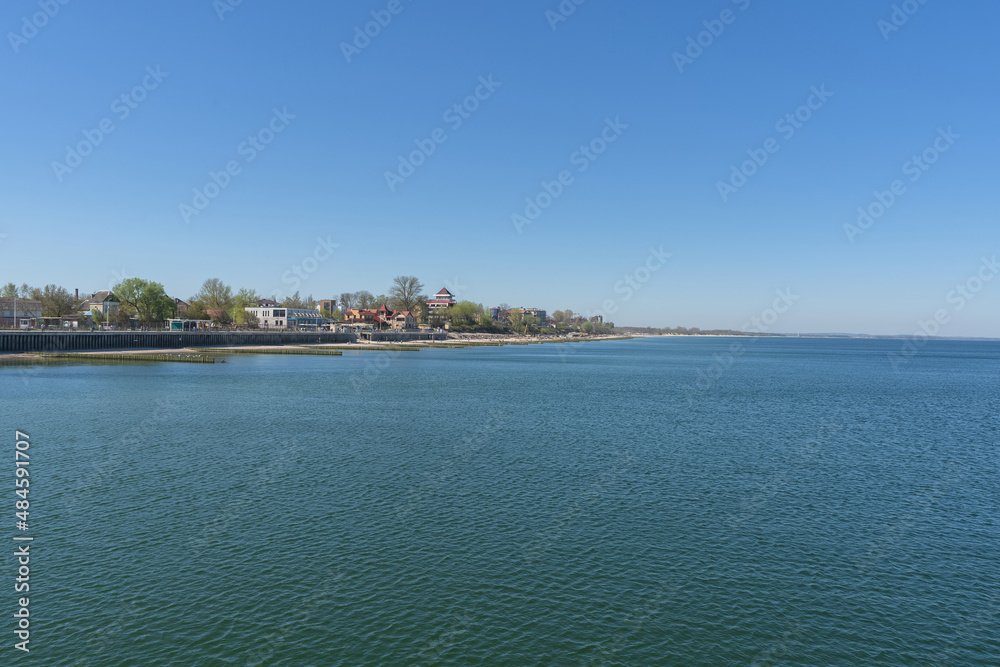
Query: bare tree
{"x": 406, "y": 292}
{"x": 347, "y": 301}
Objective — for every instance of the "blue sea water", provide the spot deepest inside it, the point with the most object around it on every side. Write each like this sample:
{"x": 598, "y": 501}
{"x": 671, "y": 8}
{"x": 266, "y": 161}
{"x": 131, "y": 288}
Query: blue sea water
{"x": 679, "y": 501}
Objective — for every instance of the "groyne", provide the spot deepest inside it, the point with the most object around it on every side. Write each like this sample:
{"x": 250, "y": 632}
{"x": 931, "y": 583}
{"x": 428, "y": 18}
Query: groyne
{"x": 61, "y": 341}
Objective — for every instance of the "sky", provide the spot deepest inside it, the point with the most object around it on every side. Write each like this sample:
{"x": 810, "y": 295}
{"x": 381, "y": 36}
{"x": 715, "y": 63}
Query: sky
{"x": 822, "y": 167}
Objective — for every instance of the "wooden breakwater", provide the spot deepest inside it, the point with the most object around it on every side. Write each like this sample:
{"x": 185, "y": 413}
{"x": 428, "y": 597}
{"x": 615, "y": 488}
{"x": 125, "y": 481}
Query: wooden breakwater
{"x": 127, "y": 357}
{"x": 65, "y": 341}
{"x": 267, "y": 350}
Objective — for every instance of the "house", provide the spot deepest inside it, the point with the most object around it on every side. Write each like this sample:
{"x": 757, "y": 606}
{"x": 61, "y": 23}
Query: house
{"x": 267, "y": 303}
{"x": 20, "y": 313}
{"x": 537, "y": 313}
{"x": 181, "y": 305}
{"x": 441, "y": 301}
{"x": 359, "y": 316}
{"x": 403, "y": 320}
{"x": 104, "y": 302}
{"x": 327, "y": 305}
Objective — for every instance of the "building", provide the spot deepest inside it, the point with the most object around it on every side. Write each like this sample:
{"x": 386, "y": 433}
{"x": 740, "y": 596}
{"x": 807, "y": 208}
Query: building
{"x": 537, "y": 313}
{"x": 441, "y": 301}
{"x": 103, "y": 302}
{"x": 403, "y": 320}
{"x": 20, "y": 313}
{"x": 359, "y": 316}
{"x": 271, "y": 317}
{"x": 268, "y": 303}
{"x": 327, "y": 305}
{"x": 181, "y": 305}
{"x": 597, "y": 319}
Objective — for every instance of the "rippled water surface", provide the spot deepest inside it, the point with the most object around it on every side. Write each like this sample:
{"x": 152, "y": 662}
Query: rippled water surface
{"x": 645, "y": 502}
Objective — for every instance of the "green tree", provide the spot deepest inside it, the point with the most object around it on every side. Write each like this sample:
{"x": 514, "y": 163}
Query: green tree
{"x": 405, "y": 293}
{"x": 295, "y": 301}
{"x": 144, "y": 298}
{"x": 9, "y": 291}
{"x": 216, "y": 295}
{"x": 250, "y": 320}
{"x": 245, "y": 298}
{"x": 516, "y": 315}
{"x": 364, "y": 300}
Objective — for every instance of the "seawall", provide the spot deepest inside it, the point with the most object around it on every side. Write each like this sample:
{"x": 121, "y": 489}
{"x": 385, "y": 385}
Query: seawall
{"x": 39, "y": 341}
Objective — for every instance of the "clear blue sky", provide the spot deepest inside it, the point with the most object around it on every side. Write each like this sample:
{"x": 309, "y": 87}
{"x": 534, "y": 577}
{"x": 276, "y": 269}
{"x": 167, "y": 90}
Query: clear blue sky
{"x": 323, "y": 175}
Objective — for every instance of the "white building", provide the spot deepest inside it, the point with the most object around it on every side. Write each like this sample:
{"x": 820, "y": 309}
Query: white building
{"x": 277, "y": 317}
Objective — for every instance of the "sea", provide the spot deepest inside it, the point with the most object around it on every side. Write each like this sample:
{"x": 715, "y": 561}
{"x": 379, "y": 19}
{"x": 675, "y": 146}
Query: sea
{"x": 656, "y": 501}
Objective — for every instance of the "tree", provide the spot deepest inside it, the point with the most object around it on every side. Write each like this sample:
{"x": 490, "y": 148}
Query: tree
{"x": 56, "y": 301}
{"x": 250, "y": 321}
{"x": 25, "y": 291}
{"x": 516, "y": 315}
{"x": 406, "y": 292}
{"x": 465, "y": 313}
{"x": 530, "y": 323}
{"x": 216, "y": 295}
{"x": 295, "y": 301}
{"x": 196, "y": 310}
{"x": 347, "y": 301}
{"x": 144, "y": 298}
{"x": 364, "y": 300}
{"x": 222, "y": 318}
{"x": 245, "y": 298}
{"x": 9, "y": 291}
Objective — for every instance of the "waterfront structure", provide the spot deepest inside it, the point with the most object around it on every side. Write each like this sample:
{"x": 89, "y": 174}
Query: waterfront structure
{"x": 20, "y": 313}
{"x": 271, "y": 317}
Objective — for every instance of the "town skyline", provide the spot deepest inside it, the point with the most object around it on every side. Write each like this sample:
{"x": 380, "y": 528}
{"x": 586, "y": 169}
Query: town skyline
{"x": 742, "y": 149}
